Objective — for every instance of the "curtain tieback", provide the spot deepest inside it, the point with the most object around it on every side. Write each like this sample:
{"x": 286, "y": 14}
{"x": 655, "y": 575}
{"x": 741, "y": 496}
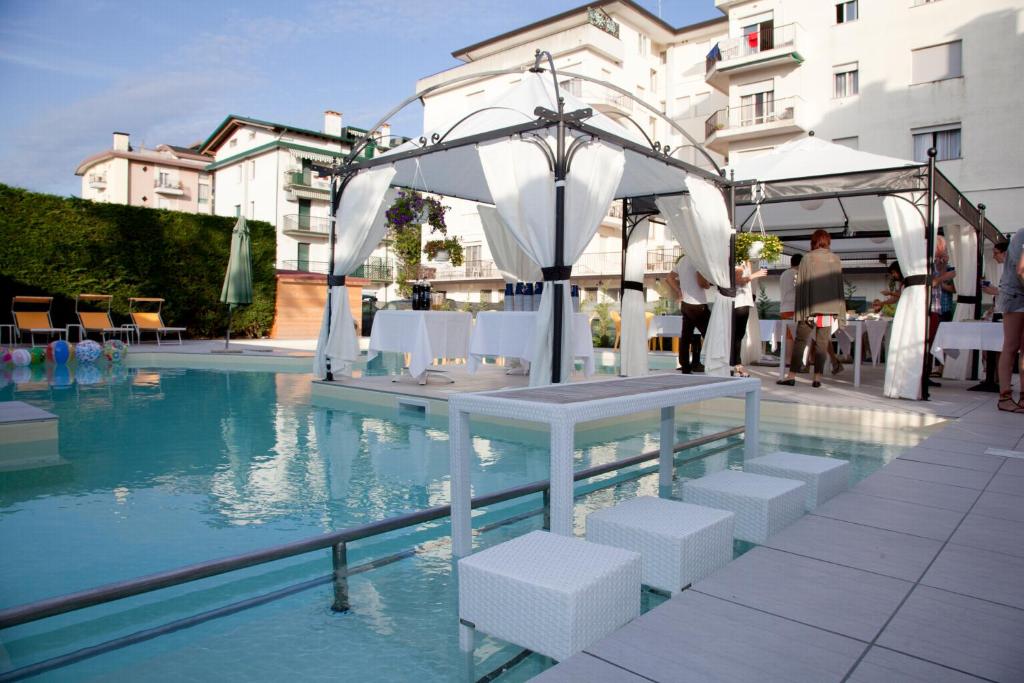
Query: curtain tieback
{"x": 555, "y": 273}
{"x": 966, "y": 299}
{"x": 727, "y": 291}
{"x": 915, "y": 280}
{"x": 335, "y": 280}
{"x": 633, "y": 284}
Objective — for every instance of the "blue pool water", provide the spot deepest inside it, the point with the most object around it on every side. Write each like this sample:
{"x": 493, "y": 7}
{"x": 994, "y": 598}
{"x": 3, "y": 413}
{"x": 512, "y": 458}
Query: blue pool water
{"x": 165, "y": 467}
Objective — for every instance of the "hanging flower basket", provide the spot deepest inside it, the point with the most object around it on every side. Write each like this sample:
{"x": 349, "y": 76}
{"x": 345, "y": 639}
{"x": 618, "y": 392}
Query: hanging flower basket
{"x": 448, "y": 249}
{"x": 411, "y": 208}
{"x": 769, "y": 246}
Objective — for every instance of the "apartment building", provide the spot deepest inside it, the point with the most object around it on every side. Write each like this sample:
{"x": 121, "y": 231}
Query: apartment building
{"x": 893, "y": 77}
{"x": 166, "y": 177}
{"x": 263, "y": 170}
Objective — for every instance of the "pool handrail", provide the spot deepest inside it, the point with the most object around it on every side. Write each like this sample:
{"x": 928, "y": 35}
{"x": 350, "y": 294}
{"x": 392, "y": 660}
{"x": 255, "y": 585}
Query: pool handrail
{"x": 336, "y": 540}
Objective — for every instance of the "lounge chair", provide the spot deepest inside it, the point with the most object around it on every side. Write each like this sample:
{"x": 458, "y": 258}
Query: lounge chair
{"x": 96, "y": 321}
{"x": 34, "y": 322}
{"x": 150, "y": 321}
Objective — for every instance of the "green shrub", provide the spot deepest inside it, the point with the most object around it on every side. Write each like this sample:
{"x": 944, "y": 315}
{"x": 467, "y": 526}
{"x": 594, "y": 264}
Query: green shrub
{"x": 61, "y": 247}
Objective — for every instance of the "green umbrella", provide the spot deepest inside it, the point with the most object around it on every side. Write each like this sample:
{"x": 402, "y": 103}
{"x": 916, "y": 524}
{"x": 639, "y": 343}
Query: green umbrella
{"x": 237, "y": 290}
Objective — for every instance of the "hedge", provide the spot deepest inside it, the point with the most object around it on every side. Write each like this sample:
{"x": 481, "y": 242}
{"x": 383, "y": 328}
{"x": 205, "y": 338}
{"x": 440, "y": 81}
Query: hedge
{"x": 62, "y": 247}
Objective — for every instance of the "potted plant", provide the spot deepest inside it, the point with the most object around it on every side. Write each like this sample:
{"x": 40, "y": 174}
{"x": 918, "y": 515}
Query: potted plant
{"x": 447, "y": 249}
{"x": 768, "y": 247}
{"x": 405, "y": 218}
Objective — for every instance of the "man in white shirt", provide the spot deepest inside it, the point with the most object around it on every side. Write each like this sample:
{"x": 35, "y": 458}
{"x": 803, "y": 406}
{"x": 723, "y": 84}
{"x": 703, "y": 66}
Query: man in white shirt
{"x": 690, "y": 288}
{"x": 787, "y": 288}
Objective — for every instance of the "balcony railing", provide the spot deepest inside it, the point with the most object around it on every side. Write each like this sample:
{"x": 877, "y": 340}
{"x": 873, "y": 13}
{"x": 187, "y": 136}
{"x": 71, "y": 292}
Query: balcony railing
{"x": 662, "y": 260}
{"x": 304, "y": 266}
{"x": 768, "y": 38}
{"x": 603, "y": 99}
{"x": 376, "y": 269}
{"x": 168, "y": 186}
{"x": 305, "y": 180}
{"x": 320, "y": 225}
{"x": 480, "y": 269}
{"x": 97, "y": 180}
{"x": 732, "y": 118}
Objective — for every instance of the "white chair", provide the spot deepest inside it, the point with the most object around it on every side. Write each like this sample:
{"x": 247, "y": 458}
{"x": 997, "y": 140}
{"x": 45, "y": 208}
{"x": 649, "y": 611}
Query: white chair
{"x": 551, "y": 594}
{"x": 763, "y": 505}
{"x": 825, "y": 477}
{"x": 680, "y": 543}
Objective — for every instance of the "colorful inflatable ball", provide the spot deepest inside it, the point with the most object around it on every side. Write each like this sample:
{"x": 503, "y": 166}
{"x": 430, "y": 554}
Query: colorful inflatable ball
{"x": 114, "y": 350}
{"x": 5, "y": 356}
{"x": 88, "y": 351}
{"x": 21, "y": 357}
{"x": 59, "y": 352}
{"x": 38, "y": 355}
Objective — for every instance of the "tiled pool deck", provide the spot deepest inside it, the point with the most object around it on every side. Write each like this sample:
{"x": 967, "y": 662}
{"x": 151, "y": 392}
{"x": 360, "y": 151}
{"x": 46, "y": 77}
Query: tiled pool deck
{"x": 917, "y": 573}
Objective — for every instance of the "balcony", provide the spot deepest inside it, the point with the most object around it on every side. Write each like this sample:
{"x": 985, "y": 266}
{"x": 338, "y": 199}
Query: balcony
{"x": 306, "y": 227}
{"x": 97, "y": 181}
{"x": 663, "y": 260}
{"x": 304, "y": 185}
{"x": 776, "y": 117}
{"x": 599, "y": 97}
{"x": 304, "y": 266}
{"x": 771, "y": 46}
{"x": 376, "y": 269}
{"x": 168, "y": 187}
{"x": 481, "y": 269}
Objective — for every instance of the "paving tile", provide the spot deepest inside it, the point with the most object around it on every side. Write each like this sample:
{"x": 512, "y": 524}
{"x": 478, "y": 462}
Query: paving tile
{"x": 1001, "y": 505}
{"x": 981, "y": 463}
{"x": 884, "y": 666}
{"x": 990, "y": 533}
{"x": 886, "y": 485}
{"x": 894, "y": 515}
{"x": 847, "y": 601}
{"x": 1013, "y": 467}
{"x": 854, "y": 545}
{"x": 1007, "y": 483}
{"x": 939, "y": 474}
{"x": 952, "y": 445}
{"x": 695, "y": 637}
{"x": 979, "y": 573}
{"x": 584, "y": 668}
{"x": 979, "y": 637}
{"x": 994, "y": 435}
{"x": 1009, "y": 454}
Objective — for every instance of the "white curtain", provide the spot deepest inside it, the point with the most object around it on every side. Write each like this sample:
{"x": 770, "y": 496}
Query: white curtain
{"x": 511, "y": 260}
{"x": 360, "y": 228}
{"x": 633, "y": 360}
{"x": 522, "y": 186}
{"x": 700, "y": 223}
{"x": 750, "y": 349}
{"x": 903, "y": 368}
{"x": 962, "y": 242}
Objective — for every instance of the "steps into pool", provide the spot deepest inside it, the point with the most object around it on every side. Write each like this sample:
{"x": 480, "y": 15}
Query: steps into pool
{"x": 28, "y": 437}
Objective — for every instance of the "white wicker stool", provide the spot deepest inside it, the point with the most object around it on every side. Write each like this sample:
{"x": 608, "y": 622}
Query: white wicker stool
{"x": 763, "y": 505}
{"x": 551, "y": 594}
{"x": 680, "y": 543}
{"x": 825, "y": 477}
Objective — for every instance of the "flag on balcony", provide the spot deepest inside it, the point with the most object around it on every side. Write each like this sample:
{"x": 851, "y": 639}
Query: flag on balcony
{"x": 752, "y": 39}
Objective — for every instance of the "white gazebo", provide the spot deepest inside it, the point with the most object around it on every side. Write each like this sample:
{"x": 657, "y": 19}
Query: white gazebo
{"x": 550, "y": 166}
{"x": 872, "y": 205}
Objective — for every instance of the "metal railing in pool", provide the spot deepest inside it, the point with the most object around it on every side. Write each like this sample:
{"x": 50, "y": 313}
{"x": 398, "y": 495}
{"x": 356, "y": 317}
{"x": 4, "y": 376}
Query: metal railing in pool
{"x": 337, "y": 541}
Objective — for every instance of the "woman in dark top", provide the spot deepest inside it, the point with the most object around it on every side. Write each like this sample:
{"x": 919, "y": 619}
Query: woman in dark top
{"x": 820, "y": 305}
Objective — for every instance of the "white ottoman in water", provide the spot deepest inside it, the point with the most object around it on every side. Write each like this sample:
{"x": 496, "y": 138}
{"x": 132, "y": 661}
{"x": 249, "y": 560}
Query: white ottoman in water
{"x": 763, "y": 505}
{"x": 680, "y": 543}
{"x": 825, "y": 477}
{"x": 551, "y": 594}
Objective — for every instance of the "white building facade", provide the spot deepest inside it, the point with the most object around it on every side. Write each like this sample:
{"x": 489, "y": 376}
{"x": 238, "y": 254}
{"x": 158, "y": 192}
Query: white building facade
{"x": 893, "y": 77}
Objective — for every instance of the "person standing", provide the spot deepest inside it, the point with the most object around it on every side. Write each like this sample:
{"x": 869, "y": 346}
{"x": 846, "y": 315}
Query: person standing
{"x": 820, "y": 305}
{"x": 1011, "y": 303}
{"x": 787, "y": 288}
{"x": 690, "y": 287}
{"x": 745, "y": 274}
{"x": 942, "y": 299}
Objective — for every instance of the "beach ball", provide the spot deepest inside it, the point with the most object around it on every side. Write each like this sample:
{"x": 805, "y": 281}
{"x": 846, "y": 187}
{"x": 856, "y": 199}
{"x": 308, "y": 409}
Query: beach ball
{"x": 114, "y": 350}
{"x": 88, "y": 351}
{"x": 5, "y": 356}
{"x": 38, "y": 354}
{"x": 21, "y": 357}
{"x": 88, "y": 373}
{"x": 59, "y": 352}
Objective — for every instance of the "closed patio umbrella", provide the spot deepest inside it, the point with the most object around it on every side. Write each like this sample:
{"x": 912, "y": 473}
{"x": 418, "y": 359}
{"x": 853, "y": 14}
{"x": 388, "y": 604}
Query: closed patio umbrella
{"x": 237, "y": 290}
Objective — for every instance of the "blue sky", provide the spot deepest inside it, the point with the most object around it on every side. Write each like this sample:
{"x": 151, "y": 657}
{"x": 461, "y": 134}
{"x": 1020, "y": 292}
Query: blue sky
{"x": 74, "y": 71}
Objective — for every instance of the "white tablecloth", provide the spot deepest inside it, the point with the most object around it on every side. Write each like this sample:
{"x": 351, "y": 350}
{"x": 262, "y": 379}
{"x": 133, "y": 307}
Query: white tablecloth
{"x": 771, "y": 332}
{"x": 665, "y": 326}
{"x": 876, "y": 331}
{"x": 951, "y": 337}
{"x": 510, "y": 334}
{"x": 424, "y": 335}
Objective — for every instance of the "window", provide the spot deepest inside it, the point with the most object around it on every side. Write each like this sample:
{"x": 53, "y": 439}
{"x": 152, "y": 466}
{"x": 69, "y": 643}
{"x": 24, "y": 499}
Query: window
{"x": 852, "y": 142}
{"x": 945, "y": 140}
{"x": 682, "y": 108}
{"x": 702, "y": 104}
{"x": 642, "y": 44}
{"x": 238, "y": 173}
{"x": 252, "y": 209}
{"x": 252, "y": 135}
{"x": 233, "y": 142}
{"x": 238, "y": 210}
{"x": 758, "y": 37}
{"x": 204, "y": 193}
{"x": 846, "y": 81}
{"x": 163, "y": 179}
{"x": 252, "y": 170}
{"x": 302, "y": 260}
{"x": 163, "y": 203}
{"x": 757, "y": 108}
{"x": 846, "y": 12}
{"x": 654, "y": 81}
{"x": 938, "y": 62}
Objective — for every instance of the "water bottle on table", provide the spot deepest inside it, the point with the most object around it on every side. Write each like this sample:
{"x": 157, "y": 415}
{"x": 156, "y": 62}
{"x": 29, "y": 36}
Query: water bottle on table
{"x": 509, "y": 297}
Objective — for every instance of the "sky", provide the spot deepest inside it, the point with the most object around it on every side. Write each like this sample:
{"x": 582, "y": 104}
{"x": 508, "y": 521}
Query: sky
{"x": 74, "y": 71}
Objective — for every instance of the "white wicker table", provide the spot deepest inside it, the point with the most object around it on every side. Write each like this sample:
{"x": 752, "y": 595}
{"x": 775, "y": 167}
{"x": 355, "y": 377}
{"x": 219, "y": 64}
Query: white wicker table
{"x": 561, "y": 407}
{"x": 763, "y": 505}
{"x": 680, "y": 543}
{"x": 548, "y": 593}
{"x": 825, "y": 477}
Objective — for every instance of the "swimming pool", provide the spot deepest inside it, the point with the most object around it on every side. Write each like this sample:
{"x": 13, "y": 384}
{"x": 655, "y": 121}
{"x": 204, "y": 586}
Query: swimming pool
{"x": 166, "y": 467}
